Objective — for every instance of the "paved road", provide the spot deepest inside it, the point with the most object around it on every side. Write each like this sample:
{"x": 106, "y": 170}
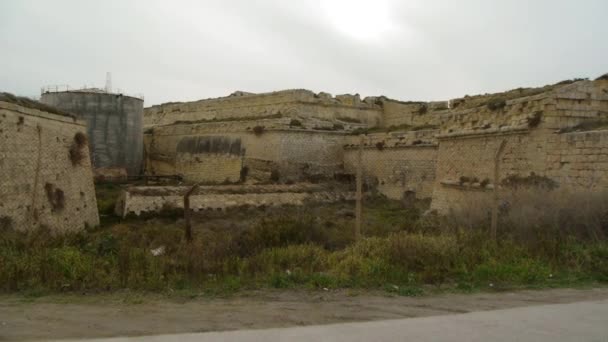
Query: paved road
{"x": 583, "y": 321}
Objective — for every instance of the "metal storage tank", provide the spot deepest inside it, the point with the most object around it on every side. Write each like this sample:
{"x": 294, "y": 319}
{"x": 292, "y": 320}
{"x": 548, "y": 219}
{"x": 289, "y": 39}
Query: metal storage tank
{"x": 114, "y": 124}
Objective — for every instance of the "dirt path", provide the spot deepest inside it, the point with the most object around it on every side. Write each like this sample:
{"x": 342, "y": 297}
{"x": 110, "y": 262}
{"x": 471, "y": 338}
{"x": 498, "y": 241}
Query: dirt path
{"x": 121, "y": 315}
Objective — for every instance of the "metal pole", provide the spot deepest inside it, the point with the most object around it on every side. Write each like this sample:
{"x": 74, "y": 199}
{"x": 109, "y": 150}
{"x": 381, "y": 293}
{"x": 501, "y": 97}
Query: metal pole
{"x": 359, "y": 195}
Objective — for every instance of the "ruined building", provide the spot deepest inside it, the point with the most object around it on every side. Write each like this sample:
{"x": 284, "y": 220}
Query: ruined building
{"x": 46, "y": 178}
{"x": 446, "y": 151}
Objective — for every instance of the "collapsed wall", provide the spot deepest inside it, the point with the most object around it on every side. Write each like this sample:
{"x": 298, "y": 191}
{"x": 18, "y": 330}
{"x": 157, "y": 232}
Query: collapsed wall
{"x": 45, "y": 171}
{"x": 141, "y": 200}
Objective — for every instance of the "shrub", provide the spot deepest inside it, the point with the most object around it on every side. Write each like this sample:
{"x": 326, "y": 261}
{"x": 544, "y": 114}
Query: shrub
{"x": 380, "y": 145}
{"x": 423, "y": 109}
{"x": 338, "y": 127}
{"x": 604, "y": 77}
{"x": 350, "y": 120}
{"x": 359, "y": 131}
{"x": 535, "y": 119}
{"x": 496, "y": 103}
{"x": 564, "y": 82}
{"x": 55, "y": 196}
{"x": 258, "y": 130}
{"x": 244, "y": 173}
{"x": 279, "y": 232}
{"x": 533, "y": 180}
{"x": 80, "y": 139}
{"x": 295, "y": 123}
{"x": 76, "y": 151}
{"x": 431, "y": 257}
{"x": 6, "y": 223}
{"x": 292, "y": 258}
{"x": 275, "y": 175}
{"x": 464, "y": 179}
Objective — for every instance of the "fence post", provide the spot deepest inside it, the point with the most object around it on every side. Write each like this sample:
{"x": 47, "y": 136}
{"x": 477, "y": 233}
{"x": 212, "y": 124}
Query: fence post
{"x": 188, "y": 214}
{"x": 494, "y": 227}
{"x": 359, "y": 195}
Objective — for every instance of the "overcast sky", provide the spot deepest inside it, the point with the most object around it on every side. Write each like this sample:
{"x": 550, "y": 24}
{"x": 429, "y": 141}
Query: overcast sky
{"x": 409, "y": 49}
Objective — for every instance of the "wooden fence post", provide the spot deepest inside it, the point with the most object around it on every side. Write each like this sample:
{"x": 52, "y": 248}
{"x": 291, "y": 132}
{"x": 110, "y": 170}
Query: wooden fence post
{"x": 188, "y": 213}
{"x": 496, "y": 199}
{"x": 359, "y": 195}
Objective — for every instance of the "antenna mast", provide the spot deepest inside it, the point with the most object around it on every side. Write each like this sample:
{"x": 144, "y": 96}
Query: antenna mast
{"x": 108, "y": 82}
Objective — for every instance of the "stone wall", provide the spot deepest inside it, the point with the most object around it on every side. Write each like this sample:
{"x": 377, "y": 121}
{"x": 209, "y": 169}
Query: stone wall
{"x": 415, "y": 114}
{"x": 444, "y": 150}
{"x": 530, "y": 126}
{"x": 138, "y": 200}
{"x": 396, "y": 164}
{"x": 465, "y": 165}
{"x": 301, "y": 104}
{"x": 45, "y": 171}
{"x": 579, "y": 160}
{"x": 293, "y": 153}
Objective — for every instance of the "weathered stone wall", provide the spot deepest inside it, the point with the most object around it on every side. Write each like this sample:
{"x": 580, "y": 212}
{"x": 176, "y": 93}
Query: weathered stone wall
{"x": 138, "y": 200}
{"x": 40, "y": 184}
{"x": 294, "y": 153}
{"x": 397, "y": 113}
{"x": 443, "y": 150}
{"x": 288, "y": 103}
{"x": 395, "y": 163}
{"x": 465, "y": 165}
{"x": 579, "y": 160}
{"x": 530, "y": 126}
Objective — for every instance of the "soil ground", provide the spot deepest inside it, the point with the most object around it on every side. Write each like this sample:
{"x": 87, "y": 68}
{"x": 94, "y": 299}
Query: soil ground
{"x": 135, "y": 314}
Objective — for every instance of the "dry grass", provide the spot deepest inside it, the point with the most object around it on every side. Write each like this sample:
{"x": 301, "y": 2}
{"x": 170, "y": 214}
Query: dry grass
{"x": 539, "y": 244}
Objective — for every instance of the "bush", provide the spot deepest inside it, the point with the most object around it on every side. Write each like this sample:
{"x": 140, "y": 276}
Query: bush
{"x": 55, "y": 196}
{"x": 535, "y": 119}
{"x": 604, "y": 77}
{"x": 307, "y": 258}
{"x": 244, "y": 174}
{"x": 76, "y": 151}
{"x": 258, "y": 130}
{"x": 423, "y": 109}
{"x": 295, "y": 123}
{"x": 431, "y": 257}
{"x": 274, "y": 233}
{"x": 532, "y": 181}
{"x": 275, "y": 175}
{"x": 496, "y": 103}
{"x": 545, "y": 238}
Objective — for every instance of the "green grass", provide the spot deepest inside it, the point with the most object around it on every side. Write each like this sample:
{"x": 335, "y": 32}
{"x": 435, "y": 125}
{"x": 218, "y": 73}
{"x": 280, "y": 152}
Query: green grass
{"x": 403, "y": 253}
